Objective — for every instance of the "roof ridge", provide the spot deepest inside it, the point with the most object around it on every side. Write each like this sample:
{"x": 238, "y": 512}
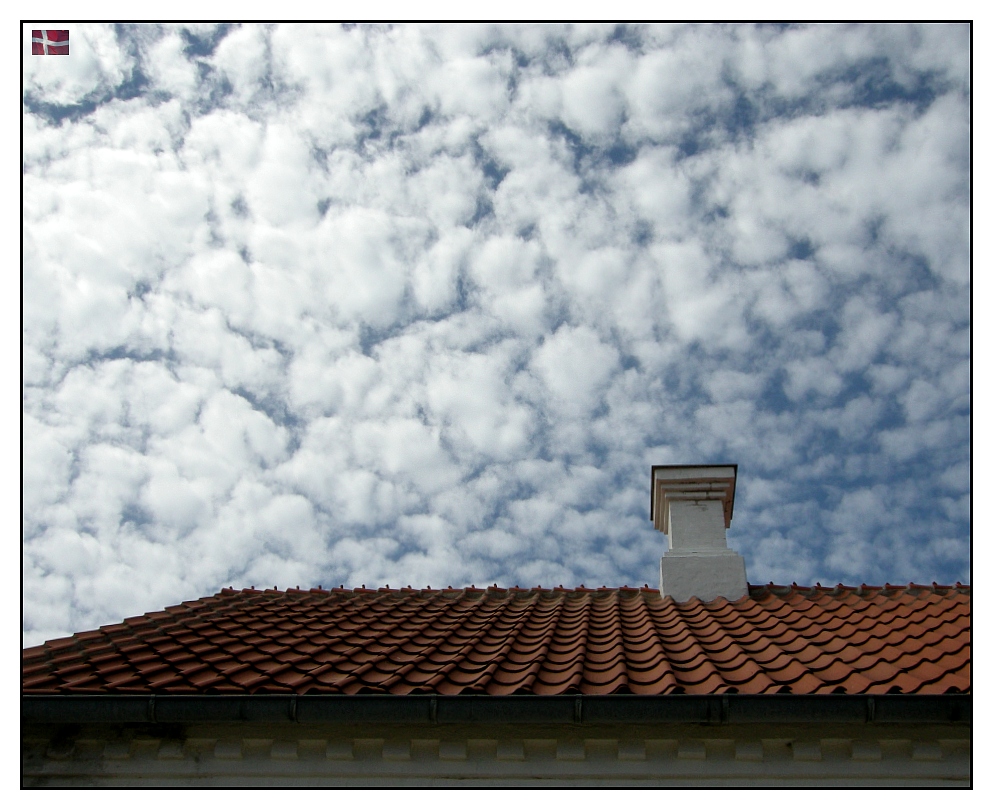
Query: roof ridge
{"x": 754, "y": 589}
{"x": 836, "y": 590}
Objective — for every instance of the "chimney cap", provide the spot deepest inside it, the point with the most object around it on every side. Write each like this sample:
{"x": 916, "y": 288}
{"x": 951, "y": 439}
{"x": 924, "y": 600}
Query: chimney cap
{"x": 670, "y": 481}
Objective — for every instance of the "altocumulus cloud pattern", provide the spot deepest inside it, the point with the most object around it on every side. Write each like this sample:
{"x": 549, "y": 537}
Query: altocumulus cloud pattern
{"x": 317, "y": 305}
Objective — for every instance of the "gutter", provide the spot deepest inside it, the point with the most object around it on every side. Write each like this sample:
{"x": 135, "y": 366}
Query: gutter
{"x": 436, "y": 710}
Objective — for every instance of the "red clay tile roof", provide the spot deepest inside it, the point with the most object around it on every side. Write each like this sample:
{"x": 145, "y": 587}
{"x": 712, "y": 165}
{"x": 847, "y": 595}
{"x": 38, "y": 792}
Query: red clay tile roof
{"x": 913, "y": 639}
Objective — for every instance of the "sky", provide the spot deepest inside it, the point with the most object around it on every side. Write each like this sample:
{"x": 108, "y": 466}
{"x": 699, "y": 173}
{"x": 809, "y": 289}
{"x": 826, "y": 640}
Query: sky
{"x": 421, "y": 305}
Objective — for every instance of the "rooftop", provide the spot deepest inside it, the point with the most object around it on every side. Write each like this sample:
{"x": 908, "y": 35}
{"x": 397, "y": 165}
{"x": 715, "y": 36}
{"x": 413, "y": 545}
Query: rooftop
{"x": 912, "y": 639}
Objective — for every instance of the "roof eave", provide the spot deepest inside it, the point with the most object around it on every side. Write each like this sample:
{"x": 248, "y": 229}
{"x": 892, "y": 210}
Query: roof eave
{"x": 515, "y": 709}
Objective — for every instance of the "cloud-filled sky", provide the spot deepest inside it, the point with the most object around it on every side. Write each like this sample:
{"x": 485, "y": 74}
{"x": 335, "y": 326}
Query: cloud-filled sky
{"x": 322, "y": 305}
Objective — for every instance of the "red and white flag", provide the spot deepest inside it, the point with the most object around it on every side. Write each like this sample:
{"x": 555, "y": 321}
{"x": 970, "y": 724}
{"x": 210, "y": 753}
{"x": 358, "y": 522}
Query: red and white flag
{"x": 50, "y": 43}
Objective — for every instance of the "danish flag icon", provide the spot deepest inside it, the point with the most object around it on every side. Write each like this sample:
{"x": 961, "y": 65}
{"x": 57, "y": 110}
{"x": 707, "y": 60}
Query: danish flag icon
{"x": 50, "y": 43}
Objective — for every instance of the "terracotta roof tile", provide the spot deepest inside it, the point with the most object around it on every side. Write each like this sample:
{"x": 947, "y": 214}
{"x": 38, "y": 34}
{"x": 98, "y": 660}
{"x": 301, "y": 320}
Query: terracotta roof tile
{"x": 863, "y": 640}
{"x": 960, "y": 681}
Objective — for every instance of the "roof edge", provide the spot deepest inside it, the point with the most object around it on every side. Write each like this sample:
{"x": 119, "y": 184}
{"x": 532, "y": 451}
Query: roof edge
{"x": 515, "y": 709}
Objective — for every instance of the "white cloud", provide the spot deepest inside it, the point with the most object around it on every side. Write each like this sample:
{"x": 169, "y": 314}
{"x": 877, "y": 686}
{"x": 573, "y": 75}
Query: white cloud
{"x": 727, "y": 384}
{"x": 857, "y": 418}
{"x": 435, "y": 276}
{"x": 669, "y": 86}
{"x": 281, "y": 189}
{"x": 226, "y": 144}
{"x": 173, "y": 502}
{"x": 475, "y": 87}
{"x": 659, "y": 189}
{"x": 362, "y": 261}
{"x": 46, "y": 469}
{"x": 422, "y": 304}
{"x": 864, "y": 333}
{"x": 816, "y": 375}
{"x": 169, "y": 68}
{"x": 575, "y": 366}
{"x": 241, "y": 58}
{"x": 701, "y": 307}
{"x": 780, "y": 559}
{"x": 593, "y": 102}
{"x": 921, "y": 400}
{"x": 468, "y": 395}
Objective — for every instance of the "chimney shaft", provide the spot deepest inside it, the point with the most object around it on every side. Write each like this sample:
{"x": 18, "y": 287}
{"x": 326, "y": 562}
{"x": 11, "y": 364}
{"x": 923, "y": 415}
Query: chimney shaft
{"x": 693, "y": 505}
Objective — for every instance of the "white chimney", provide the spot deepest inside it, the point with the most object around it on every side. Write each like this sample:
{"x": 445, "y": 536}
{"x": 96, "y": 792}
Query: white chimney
{"x": 693, "y": 506}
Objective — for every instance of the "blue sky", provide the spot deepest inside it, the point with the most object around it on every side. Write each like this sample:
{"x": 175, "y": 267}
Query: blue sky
{"x": 422, "y": 305}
